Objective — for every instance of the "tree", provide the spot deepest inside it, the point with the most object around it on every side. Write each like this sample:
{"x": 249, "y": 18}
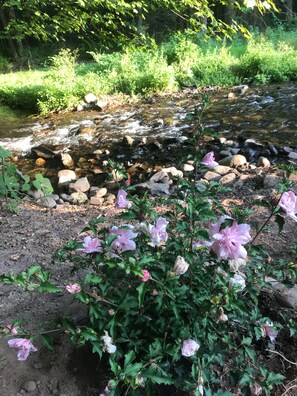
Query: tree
{"x": 109, "y": 22}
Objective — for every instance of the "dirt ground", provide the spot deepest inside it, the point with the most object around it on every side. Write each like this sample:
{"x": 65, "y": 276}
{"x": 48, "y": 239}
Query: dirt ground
{"x": 30, "y": 237}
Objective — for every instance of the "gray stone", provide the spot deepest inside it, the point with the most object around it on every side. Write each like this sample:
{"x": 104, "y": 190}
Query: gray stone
{"x": 286, "y": 297}
{"x": 66, "y": 176}
{"x": 54, "y": 196}
{"x": 272, "y": 149}
{"x": 225, "y": 153}
{"x": 91, "y": 98}
{"x": 288, "y": 149}
{"x": 67, "y": 160}
{"x": 292, "y": 155}
{"x": 47, "y": 202}
{"x": 160, "y": 176}
{"x": 81, "y": 185}
{"x": 35, "y": 194}
{"x": 263, "y": 162}
{"x": 226, "y": 161}
{"x": 30, "y": 386}
{"x": 159, "y": 188}
{"x": 241, "y": 181}
{"x": 234, "y": 151}
{"x": 79, "y": 198}
{"x": 96, "y": 201}
{"x": 67, "y": 198}
{"x": 228, "y": 179}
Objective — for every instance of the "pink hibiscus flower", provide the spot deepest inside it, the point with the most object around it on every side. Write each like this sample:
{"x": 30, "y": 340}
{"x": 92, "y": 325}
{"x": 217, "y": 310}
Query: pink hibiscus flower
{"x": 209, "y": 160}
{"x": 227, "y": 242}
{"x": 158, "y": 232}
{"x": 91, "y": 245}
{"x": 288, "y": 203}
{"x": 23, "y": 345}
{"x": 124, "y": 240}
{"x": 122, "y": 202}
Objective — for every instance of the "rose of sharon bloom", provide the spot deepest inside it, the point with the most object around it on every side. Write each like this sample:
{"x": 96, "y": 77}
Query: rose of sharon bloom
{"x": 189, "y": 348}
{"x": 73, "y": 288}
{"x": 121, "y": 201}
{"x": 25, "y": 347}
{"x": 158, "y": 232}
{"x": 124, "y": 241}
{"x": 257, "y": 389}
{"x": 146, "y": 276}
{"x": 268, "y": 331}
{"x": 209, "y": 160}
{"x": 227, "y": 243}
{"x": 13, "y": 330}
{"x": 108, "y": 343}
{"x": 91, "y": 245}
{"x": 288, "y": 203}
{"x": 180, "y": 266}
{"x": 237, "y": 282}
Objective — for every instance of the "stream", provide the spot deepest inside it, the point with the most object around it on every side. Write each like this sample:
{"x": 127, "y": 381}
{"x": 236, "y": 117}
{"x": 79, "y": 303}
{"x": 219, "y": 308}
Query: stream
{"x": 266, "y": 114}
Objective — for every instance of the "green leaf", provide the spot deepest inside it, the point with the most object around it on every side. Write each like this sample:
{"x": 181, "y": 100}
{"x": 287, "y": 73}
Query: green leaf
{"x": 129, "y": 357}
{"x": 32, "y": 270}
{"x": 4, "y": 153}
{"x": 47, "y": 287}
{"x": 141, "y": 289}
{"x": 157, "y": 378}
{"x": 47, "y": 340}
{"x": 246, "y": 341}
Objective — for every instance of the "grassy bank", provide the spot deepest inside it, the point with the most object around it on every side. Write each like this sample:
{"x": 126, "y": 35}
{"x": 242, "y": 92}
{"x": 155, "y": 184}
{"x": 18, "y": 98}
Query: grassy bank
{"x": 181, "y": 61}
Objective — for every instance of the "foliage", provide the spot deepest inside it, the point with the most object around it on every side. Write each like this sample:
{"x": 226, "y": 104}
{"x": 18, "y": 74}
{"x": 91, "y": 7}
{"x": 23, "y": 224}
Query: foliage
{"x": 166, "y": 305}
{"x": 13, "y": 183}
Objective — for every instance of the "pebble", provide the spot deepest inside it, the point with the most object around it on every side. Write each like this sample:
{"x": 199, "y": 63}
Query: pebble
{"x": 29, "y": 386}
{"x": 188, "y": 168}
{"x": 66, "y": 176}
{"x": 292, "y": 155}
{"x": 67, "y": 160}
{"x": 47, "y": 202}
{"x": 110, "y": 199}
{"x": 270, "y": 182}
{"x": 96, "y": 201}
{"x": 81, "y": 185}
{"x": 263, "y": 162}
{"x": 211, "y": 176}
{"x": 79, "y": 198}
{"x": 101, "y": 192}
{"x": 228, "y": 179}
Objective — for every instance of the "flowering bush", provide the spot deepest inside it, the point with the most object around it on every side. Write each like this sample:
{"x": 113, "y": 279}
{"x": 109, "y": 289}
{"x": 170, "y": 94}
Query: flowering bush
{"x": 171, "y": 294}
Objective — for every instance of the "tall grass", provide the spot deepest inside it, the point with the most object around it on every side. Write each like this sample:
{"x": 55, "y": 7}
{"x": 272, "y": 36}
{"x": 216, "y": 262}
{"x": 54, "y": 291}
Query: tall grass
{"x": 181, "y": 61}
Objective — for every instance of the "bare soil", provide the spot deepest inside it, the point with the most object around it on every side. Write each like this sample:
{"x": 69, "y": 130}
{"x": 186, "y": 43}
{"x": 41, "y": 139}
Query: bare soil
{"x": 31, "y": 236}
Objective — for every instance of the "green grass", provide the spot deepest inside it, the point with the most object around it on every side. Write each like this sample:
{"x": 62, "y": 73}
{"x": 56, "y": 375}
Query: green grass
{"x": 181, "y": 61}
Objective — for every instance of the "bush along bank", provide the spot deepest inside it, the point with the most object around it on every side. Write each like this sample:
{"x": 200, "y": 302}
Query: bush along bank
{"x": 180, "y": 62}
{"x": 172, "y": 288}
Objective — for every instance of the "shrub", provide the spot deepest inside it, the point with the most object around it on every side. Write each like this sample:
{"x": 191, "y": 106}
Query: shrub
{"x": 173, "y": 300}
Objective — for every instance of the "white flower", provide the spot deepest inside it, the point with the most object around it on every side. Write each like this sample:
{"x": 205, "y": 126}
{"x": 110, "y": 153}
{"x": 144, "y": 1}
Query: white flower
{"x": 108, "y": 343}
{"x": 237, "y": 281}
{"x": 189, "y": 348}
{"x": 236, "y": 264}
{"x": 180, "y": 266}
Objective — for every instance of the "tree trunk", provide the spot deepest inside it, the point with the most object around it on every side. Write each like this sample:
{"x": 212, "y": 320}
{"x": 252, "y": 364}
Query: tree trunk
{"x": 14, "y": 47}
{"x": 289, "y": 9}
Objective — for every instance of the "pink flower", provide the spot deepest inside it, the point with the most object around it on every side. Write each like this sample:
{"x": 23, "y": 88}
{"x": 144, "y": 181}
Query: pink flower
{"x": 124, "y": 241}
{"x": 288, "y": 203}
{"x": 268, "y": 331}
{"x": 121, "y": 201}
{"x": 227, "y": 242}
{"x": 189, "y": 348}
{"x": 237, "y": 282}
{"x": 209, "y": 160}
{"x": 92, "y": 245}
{"x": 146, "y": 276}
{"x": 13, "y": 330}
{"x": 25, "y": 347}
{"x": 73, "y": 288}
{"x": 158, "y": 232}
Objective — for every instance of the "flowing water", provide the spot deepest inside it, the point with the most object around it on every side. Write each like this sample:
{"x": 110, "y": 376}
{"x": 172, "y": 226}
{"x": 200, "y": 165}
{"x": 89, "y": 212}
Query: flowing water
{"x": 265, "y": 113}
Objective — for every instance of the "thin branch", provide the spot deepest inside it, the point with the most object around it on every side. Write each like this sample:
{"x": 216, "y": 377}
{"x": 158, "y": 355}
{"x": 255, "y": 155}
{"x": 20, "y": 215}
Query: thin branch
{"x": 291, "y": 387}
{"x": 282, "y": 356}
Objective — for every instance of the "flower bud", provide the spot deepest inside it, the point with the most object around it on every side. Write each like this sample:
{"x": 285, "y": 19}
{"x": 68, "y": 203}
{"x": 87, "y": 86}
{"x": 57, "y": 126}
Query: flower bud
{"x": 180, "y": 266}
